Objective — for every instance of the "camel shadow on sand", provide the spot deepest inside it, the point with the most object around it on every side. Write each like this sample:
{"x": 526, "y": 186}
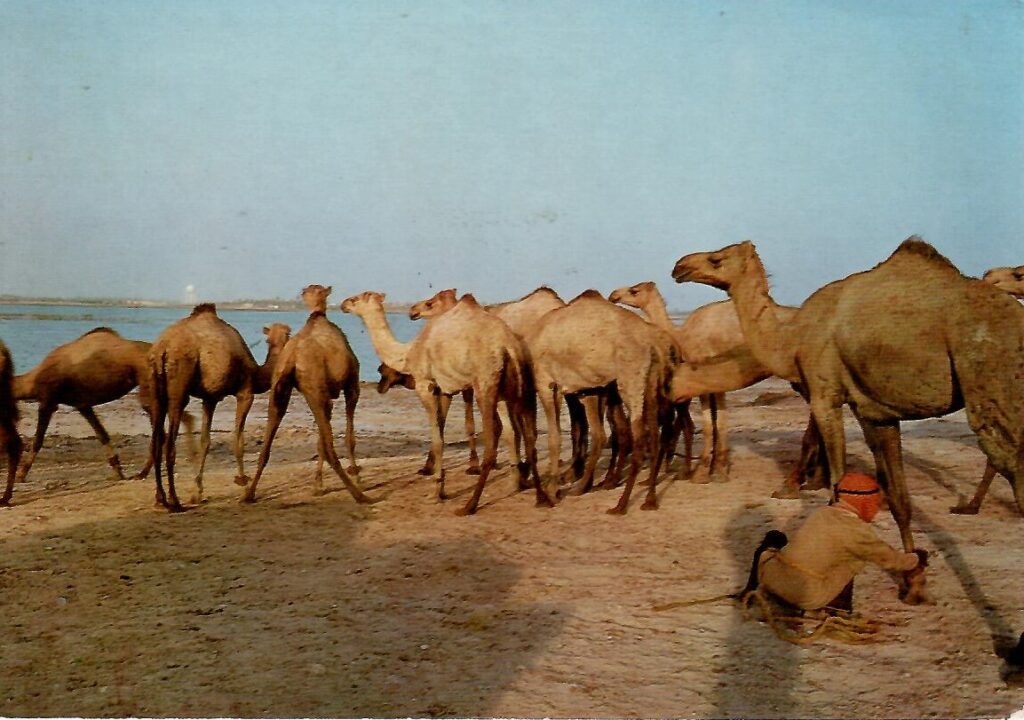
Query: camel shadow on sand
{"x": 247, "y": 611}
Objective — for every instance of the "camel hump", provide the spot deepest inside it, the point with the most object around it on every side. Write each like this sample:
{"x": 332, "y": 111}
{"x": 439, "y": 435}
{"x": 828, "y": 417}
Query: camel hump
{"x": 109, "y": 331}
{"x": 544, "y": 290}
{"x": 469, "y": 301}
{"x": 204, "y": 308}
{"x": 588, "y": 295}
{"x": 914, "y": 245}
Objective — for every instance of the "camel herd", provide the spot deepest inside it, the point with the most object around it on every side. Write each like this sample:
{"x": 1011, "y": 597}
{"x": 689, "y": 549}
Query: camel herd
{"x": 910, "y": 338}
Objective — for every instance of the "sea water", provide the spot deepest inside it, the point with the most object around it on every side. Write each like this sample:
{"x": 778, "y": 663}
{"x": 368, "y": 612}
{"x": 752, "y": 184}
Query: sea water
{"x": 32, "y": 331}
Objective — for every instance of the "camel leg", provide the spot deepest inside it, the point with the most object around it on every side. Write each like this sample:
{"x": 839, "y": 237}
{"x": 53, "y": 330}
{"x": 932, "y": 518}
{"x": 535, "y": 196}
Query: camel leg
{"x": 187, "y": 419}
{"x": 156, "y": 445}
{"x": 474, "y": 459}
{"x": 579, "y": 432}
{"x": 636, "y": 460}
{"x": 280, "y": 395}
{"x": 621, "y": 443}
{"x": 653, "y": 420}
{"x": 510, "y": 438}
{"x": 487, "y": 401}
{"x": 322, "y": 415}
{"x": 811, "y": 460}
{"x": 525, "y": 414}
{"x": 972, "y": 507}
{"x": 684, "y": 426}
{"x": 702, "y": 474}
{"x": 243, "y": 402}
{"x": 351, "y": 398}
{"x": 174, "y": 412}
{"x": 720, "y": 454}
{"x": 432, "y": 404}
{"x": 592, "y": 418}
{"x": 43, "y": 422}
{"x": 443, "y": 402}
{"x": 549, "y": 399}
{"x": 204, "y": 447}
{"x": 104, "y": 438}
{"x": 11, "y": 440}
{"x": 886, "y": 437}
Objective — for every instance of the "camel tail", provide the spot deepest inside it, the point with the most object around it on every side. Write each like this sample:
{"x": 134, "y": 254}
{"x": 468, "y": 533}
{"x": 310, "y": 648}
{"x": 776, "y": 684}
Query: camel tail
{"x": 158, "y": 411}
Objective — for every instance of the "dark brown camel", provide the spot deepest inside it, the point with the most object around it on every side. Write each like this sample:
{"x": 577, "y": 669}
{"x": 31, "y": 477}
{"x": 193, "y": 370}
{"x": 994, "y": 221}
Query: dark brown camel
{"x": 97, "y": 368}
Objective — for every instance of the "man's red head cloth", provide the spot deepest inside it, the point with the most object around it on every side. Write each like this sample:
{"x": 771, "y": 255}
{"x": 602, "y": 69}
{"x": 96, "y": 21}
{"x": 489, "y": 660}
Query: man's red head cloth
{"x": 862, "y": 493}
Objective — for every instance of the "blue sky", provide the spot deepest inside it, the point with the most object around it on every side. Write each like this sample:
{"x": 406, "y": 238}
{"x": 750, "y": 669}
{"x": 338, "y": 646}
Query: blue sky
{"x": 252, "y": 148}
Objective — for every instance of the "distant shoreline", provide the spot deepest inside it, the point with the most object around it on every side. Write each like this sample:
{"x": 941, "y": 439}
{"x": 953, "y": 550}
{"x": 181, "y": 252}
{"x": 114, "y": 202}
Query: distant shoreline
{"x": 262, "y": 305}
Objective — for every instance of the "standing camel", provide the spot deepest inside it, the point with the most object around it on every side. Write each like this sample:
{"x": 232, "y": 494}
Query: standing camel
{"x": 593, "y": 346}
{"x": 1010, "y": 280}
{"x": 97, "y": 368}
{"x": 202, "y": 356}
{"x": 9, "y": 437}
{"x": 320, "y": 363}
{"x": 909, "y": 339}
{"x": 464, "y": 347}
{"x": 718, "y": 360}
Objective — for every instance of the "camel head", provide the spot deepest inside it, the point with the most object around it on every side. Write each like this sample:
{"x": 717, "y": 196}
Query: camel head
{"x": 1008, "y": 279}
{"x": 277, "y": 334}
{"x": 315, "y": 297}
{"x": 634, "y": 296}
{"x": 720, "y": 269}
{"x": 389, "y": 377}
{"x": 433, "y": 306}
{"x": 358, "y": 304}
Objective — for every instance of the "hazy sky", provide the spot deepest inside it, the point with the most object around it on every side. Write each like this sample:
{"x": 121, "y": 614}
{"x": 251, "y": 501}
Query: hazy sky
{"x": 252, "y": 148}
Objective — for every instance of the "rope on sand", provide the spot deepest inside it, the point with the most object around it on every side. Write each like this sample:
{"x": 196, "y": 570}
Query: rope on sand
{"x": 792, "y": 628}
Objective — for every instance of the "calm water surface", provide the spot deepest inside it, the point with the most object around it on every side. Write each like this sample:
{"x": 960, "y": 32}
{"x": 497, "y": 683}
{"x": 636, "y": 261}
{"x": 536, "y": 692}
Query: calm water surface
{"x": 31, "y": 331}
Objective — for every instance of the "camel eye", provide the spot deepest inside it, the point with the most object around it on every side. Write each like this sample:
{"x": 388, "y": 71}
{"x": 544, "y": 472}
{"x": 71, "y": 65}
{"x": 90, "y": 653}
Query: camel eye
{"x": 715, "y": 262}
{"x": 1018, "y": 275}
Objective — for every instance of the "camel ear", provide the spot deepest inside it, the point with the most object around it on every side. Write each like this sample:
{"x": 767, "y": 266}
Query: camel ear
{"x": 327, "y": 290}
{"x": 266, "y": 329}
{"x": 380, "y": 296}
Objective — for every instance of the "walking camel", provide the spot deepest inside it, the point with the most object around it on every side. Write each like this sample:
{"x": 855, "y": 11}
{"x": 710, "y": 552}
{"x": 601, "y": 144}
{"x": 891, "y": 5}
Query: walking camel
{"x": 204, "y": 357}
{"x": 1010, "y": 280}
{"x": 464, "y": 347}
{"x": 718, "y": 360}
{"x": 320, "y": 363}
{"x": 911, "y": 338}
{"x": 9, "y": 437}
{"x": 96, "y": 368}
{"x": 594, "y": 346}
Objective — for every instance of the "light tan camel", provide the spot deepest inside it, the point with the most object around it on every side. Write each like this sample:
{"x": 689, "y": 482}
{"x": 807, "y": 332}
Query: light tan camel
{"x": 911, "y": 338}
{"x": 586, "y": 347}
{"x": 1009, "y": 280}
{"x": 204, "y": 357}
{"x": 708, "y": 333}
{"x": 320, "y": 363}
{"x": 464, "y": 347}
{"x": 96, "y": 368}
{"x": 9, "y": 437}
{"x": 426, "y": 309}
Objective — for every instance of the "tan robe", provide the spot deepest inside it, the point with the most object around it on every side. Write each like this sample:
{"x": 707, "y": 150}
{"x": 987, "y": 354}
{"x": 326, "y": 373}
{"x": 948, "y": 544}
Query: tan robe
{"x": 825, "y": 554}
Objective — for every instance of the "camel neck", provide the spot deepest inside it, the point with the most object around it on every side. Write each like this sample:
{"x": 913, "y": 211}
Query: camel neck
{"x": 389, "y": 349}
{"x": 766, "y": 334}
{"x": 657, "y": 313}
{"x": 24, "y": 386}
{"x": 265, "y": 372}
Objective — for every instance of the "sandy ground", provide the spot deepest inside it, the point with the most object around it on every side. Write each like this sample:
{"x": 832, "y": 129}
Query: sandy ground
{"x": 311, "y": 606}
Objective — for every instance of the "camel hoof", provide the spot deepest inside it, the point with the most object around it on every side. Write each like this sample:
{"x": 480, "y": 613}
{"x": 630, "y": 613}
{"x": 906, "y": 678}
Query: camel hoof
{"x": 720, "y": 476}
{"x": 609, "y": 483}
{"x": 175, "y": 508}
{"x": 241, "y": 480}
{"x": 364, "y": 499}
{"x": 617, "y": 510}
{"x": 576, "y": 489}
{"x": 464, "y": 511}
{"x": 964, "y": 510}
{"x": 354, "y": 469}
{"x": 649, "y": 505}
{"x": 198, "y": 500}
{"x": 425, "y": 470}
{"x": 247, "y": 499}
{"x": 137, "y": 476}
{"x": 787, "y": 493}
{"x": 473, "y": 470}
{"x": 4, "y": 502}
{"x": 700, "y": 478}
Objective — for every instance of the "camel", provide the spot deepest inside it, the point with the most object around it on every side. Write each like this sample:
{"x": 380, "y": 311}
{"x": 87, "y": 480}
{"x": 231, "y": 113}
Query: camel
{"x": 909, "y": 339}
{"x": 718, "y": 360}
{"x": 204, "y": 357}
{"x": 1010, "y": 280}
{"x": 9, "y": 437}
{"x": 97, "y": 368}
{"x": 589, "y": 346}
{"x": 723, "y": 335}
{"x": 320, "y": 363}
{"x": 464, "y": 347}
